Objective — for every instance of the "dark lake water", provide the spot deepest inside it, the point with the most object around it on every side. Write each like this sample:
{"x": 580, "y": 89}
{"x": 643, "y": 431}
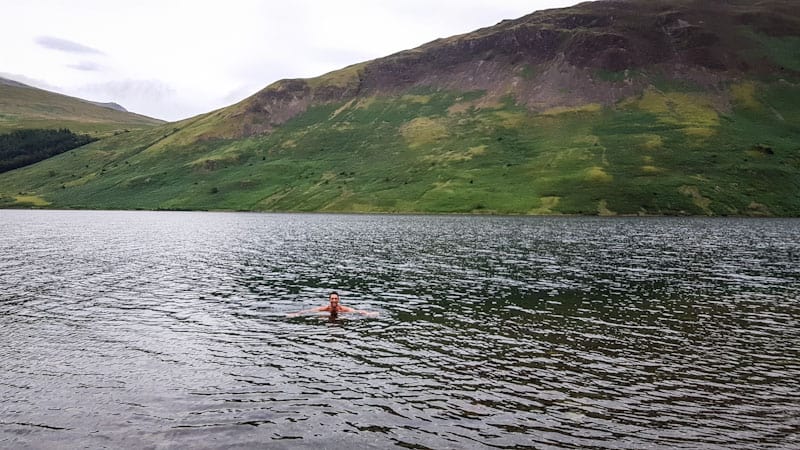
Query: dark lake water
{"x": 169, "y": 330}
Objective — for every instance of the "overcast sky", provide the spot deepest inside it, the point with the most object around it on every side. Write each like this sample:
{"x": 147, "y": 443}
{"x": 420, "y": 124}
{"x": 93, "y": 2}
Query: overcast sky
{"x": 173, "y": 59}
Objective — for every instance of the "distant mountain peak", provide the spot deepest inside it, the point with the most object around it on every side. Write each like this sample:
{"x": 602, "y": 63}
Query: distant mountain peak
{"x": 7, "y": 82}
{"x": 25, "y": 106}
{"x": 111, "y": 105}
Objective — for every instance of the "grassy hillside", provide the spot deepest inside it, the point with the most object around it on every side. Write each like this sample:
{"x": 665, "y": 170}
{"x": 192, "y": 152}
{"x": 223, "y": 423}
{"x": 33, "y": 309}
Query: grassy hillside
{"x": 613, "y": 107}
{"x": 662, "y": 152}
{"x": 27, "y": 107}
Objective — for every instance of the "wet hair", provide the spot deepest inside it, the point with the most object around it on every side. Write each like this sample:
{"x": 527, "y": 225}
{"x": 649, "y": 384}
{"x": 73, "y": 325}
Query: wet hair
{"x": 333, "y": 293}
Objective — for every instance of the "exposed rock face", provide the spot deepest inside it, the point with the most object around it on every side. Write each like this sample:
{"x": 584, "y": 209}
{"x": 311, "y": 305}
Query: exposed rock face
{"x": 281, "y": 101}
{"x": 556, "y": 57}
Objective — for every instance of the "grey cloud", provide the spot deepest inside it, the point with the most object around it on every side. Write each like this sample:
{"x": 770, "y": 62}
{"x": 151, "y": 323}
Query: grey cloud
{"x": 153, "y": 98}
{"x": 148, "y": 90}
{"x": 87, "y": 66}
{"x": 63, "y": 45}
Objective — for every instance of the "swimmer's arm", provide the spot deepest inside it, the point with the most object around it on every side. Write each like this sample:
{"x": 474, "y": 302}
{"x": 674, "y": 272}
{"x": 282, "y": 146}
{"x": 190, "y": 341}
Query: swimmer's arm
{"x": 347, "y": 309}
{"x": 305, "y": 311}
{"x": 363, "y": 312}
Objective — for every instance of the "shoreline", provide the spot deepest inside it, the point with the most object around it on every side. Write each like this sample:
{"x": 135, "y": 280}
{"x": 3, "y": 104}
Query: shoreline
{"x": 408, "y": 213}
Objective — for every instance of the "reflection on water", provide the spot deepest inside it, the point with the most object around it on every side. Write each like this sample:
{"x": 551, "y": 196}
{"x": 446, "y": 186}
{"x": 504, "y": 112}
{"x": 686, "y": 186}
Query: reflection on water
{"x": 137, "y": 329}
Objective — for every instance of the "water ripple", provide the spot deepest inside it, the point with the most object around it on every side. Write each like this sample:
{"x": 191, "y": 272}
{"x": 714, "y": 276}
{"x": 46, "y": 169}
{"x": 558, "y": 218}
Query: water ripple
{"x": 139, "y": 329}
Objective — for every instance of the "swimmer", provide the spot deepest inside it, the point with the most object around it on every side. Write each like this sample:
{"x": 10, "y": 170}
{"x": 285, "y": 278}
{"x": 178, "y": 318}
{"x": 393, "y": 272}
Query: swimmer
{"x": 334, "y": 308}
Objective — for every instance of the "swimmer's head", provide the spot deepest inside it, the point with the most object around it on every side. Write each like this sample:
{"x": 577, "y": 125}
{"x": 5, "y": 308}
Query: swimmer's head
{"x": 334, "y": 298}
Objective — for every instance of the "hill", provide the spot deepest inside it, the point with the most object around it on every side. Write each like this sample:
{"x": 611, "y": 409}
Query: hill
{"x": 26, "y": 107}
{"x": 608, "y": 107}
{"x": 111, "y": 105}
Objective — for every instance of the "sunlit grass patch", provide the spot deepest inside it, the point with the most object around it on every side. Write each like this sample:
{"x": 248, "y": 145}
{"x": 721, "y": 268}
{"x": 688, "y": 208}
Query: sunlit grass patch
{"x": 444, "y": 186}
{"x": 758, "y": 209}
{"x": 342, "y": 108}
{"x": 364, "y": 208}
{"x": 510, "y": 119}
{"x": 82, "y": 180}
{"x": 651, "y": 170}
{"x": 547, "y": 205}
{"x": 602, "y": 209}
{"x": 456, "y": 156}
{"x": 744, "y": 94}
{"x": 587, "y": 108}
{"x": 423, "y": 131}
{"x": 215, "y": 162}
{"x": 699, "y": 132}
{"x": 652, "y": 141}
{"x": 597, "y": 175}
{"x": 693, "y": 112}
{"x": 343, "y": 126}
{"x": 32, "y": 200}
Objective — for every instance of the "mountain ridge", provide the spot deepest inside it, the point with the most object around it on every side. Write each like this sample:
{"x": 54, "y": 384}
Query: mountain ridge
{"x": 24, "y": 106}
{"x": 571, "y": 60}
{"x": 111, "y": 105}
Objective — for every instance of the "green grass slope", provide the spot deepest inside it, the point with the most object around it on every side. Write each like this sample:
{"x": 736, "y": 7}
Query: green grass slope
{"x": 613, "y": 107}
{"x": 661, "y": 152}
{"x": 25, "y": 107}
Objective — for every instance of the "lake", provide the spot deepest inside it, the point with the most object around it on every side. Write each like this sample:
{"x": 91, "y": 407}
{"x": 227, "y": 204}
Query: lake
{"x": 169, "y": 330}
